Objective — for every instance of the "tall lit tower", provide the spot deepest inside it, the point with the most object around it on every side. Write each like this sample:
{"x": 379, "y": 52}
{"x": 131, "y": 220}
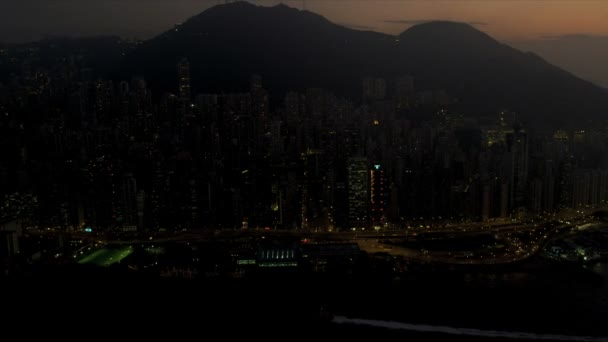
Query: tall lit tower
{"x": 129, "y": 199}
{"x": 183, "y": 74}
{"x": 358, "y": 192}
{"x": 374, "y": 88}
{"x": 517, "y": 147}
{"x": 377, "y": 193}
{"x": 259, "y": 97}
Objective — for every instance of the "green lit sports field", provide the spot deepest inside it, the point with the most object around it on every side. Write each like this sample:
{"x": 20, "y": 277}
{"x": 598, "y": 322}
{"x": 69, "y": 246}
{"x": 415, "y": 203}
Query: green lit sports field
{"x": 107, "y": 256}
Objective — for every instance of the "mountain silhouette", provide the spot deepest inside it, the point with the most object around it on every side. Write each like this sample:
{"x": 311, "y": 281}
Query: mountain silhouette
{"x": 295, "y": 50}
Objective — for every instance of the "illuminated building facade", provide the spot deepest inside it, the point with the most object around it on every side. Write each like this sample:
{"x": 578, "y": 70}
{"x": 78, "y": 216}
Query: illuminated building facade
{"x": 358, "y": 191}
{"x": 183, "y": 72}
{"x": 129, "y": 200}
{"x": 517, "y": 147}
{"x": 374, "y": 89}
{"x": 377, "y": 193}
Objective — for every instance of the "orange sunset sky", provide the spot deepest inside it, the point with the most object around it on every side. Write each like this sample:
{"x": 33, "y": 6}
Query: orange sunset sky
{"x": 570, "y": 33}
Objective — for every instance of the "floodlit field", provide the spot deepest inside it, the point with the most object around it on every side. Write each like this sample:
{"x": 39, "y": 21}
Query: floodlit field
{"x": 106, "y": 256}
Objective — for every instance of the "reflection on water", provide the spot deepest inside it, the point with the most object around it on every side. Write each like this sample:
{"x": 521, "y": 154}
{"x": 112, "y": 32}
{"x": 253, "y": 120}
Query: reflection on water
{"x": 491, "y": 279}
{"x": 600, "y": 268}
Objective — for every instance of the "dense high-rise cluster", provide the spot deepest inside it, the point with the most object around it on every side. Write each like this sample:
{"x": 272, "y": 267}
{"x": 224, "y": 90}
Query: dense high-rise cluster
{"x": 81, "y": 153}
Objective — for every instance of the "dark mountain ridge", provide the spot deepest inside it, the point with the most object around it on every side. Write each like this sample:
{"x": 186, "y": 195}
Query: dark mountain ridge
{"x": 295, "y": 50}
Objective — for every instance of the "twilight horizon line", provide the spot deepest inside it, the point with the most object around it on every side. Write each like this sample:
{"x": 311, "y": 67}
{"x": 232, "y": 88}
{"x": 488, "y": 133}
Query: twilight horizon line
{"x": 579, "y": 47}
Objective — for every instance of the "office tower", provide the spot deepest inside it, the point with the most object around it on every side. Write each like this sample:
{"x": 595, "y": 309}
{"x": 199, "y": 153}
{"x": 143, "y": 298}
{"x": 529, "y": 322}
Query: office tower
{"x": 603, "y": 186}
{"x": 493, "y": 135}
{"x": 317, "y": 102}
{"x": 276, "y": 139}
{"x": 535, "y": 196}
{"x": 295, "y": 107}
{"x": 565, "y": 183}
{"x": 404, "y": 90}
{"x": 517, "y": 149}
{"x": 255, "y": 83}
{"x": 559, "y": 146}
{"x": 404, "y": 86}
{"x": 140, "y": 205}
{"x": 102, "y": 109}
{"x": 129, "y": 200}
{"x": 183, "y": 74}
{"x": 124, "y": 94}
{"x": 581, "y": 188}
{"x": 10, "y": 232}
{"x": 377, "y": 193}
{"x": 358, "y": 191}
{"x": 549, "y": 181}
{"x": 259, "y": 98}
{"x": 594, "y": 188}
{"x": 374, "y": 89}
{"x": 207, "y": 106}
{"x": 193, "y": 203}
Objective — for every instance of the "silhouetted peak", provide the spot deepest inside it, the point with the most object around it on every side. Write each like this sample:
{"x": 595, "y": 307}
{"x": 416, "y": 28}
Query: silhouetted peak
{"x": 286, "y": 10}
{"x": 236, "y": 13}
{"x": 240, "y": 7}
{"x": 295, "y": 50}
{"x": 446, "y": 31}
{"x": 433, "y": 27}
{"x": 283, "y": 6}
{"x": 234, "y": 5}
{"x": 231, "y": 8}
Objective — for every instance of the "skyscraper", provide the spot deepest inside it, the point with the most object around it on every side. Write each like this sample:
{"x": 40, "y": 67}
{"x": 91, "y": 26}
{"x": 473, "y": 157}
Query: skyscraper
{"x": 259, "y": 97}
{"x": 549, "y": 182}
{"x": 129, "y": 199}
{"x": 183, "y": 73}
{"x": 358, "y": 191}
{"x": 404, "y": 88}
{"x": 565, "y": 183}
{"x": 581, "y": 188}
{"x": 517, "y": 147}
{"x": 374, "y": 89}
{"x": 377, "y": 193}
{"x": 9, "y": 238}
{"x": 140, "y": 206}
{"x": 535, "y": 195}
{"x": 255, "y": 83}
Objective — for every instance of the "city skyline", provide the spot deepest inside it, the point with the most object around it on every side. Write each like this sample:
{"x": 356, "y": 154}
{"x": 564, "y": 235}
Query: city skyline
{"x": 268, "y": 169}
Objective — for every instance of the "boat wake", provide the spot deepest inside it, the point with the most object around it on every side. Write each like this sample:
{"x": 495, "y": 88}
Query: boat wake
{"x": 463, "y": 331}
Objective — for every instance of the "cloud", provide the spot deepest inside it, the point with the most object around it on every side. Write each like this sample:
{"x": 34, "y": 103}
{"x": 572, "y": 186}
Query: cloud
{"x": 572, "y": 36}
{"x": 359, "y": 27}
{"x": 424, "y": 21}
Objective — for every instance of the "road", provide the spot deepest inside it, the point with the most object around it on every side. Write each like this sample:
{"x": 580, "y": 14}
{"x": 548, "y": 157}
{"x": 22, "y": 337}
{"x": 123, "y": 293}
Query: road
{"x": 517, "y": 246}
